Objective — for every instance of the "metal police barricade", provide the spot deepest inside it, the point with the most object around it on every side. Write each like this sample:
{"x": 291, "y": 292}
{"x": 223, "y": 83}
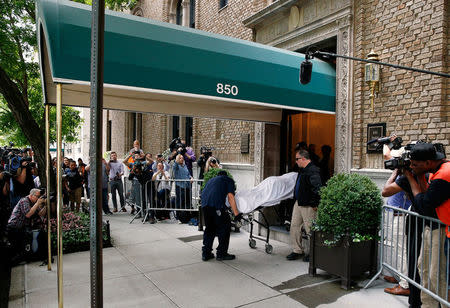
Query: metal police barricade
{"x": 133, "y": 196}
{"x": 174, "y": 195}
{"x": 412, "y": 247}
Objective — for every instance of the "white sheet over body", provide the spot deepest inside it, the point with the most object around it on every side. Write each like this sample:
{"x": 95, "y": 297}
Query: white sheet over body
{"x": 269, "y": 192}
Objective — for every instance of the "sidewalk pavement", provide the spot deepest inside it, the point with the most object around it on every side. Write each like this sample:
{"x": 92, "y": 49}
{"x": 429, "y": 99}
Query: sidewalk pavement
{"x": 160, "y": 266}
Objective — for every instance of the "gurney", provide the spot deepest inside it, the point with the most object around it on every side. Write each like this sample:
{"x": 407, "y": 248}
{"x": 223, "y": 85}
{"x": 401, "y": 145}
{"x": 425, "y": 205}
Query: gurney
{"x": 271, "y": 191}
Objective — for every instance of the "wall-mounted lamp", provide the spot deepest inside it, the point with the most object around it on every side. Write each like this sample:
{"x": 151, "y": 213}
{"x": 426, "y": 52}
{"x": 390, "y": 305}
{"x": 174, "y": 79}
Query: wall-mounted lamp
{"x": 372, "y": 76}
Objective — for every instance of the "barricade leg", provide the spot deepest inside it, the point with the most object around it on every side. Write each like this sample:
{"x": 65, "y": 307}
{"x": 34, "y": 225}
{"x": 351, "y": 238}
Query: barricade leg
{"x": 434, "y": 267}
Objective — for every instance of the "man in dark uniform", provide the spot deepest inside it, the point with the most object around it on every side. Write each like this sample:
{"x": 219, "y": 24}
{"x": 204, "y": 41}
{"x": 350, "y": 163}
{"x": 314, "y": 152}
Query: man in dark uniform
{"x": 217, "y": 220}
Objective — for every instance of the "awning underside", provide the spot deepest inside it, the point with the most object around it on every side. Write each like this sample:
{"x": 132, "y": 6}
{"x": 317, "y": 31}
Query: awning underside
{"x": 158, "y": 67}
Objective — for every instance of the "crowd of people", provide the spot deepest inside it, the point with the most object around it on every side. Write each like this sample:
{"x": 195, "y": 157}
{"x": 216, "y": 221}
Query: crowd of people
{"x": 423, "y": 187}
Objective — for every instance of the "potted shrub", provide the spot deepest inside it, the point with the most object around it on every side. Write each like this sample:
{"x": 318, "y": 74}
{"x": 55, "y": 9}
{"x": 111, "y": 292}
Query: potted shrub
{"x": 344, "y": 235}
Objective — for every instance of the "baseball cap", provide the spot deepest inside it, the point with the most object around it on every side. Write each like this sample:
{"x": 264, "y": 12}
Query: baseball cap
{"x": 425, "y": 151}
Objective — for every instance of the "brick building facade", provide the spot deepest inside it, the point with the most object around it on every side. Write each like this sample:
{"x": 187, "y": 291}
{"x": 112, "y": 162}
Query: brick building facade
{"x": 412, "y": 105}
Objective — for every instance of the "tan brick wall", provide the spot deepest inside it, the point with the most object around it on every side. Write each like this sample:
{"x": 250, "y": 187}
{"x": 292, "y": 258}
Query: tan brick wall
{"x": 413, "y": 105}
{"x": 225, "y": 137}
{"x": 228, "y": 20}
{"x": 118, "y": 137}
{"x": 154, "y": 139}
{"x": 155, "y": 9}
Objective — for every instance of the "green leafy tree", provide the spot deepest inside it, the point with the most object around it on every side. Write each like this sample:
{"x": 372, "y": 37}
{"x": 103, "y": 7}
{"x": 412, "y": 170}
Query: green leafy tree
{"x": 21, "y": 109}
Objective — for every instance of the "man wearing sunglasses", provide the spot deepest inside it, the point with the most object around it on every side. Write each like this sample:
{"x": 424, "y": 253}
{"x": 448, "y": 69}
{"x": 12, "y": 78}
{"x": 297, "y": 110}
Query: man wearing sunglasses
{"x": 306, "y": 194}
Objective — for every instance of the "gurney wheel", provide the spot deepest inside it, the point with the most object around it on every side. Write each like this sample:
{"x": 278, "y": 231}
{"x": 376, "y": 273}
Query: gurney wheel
{"x": 269, "y": 248}
{"x": 252, "y": 243}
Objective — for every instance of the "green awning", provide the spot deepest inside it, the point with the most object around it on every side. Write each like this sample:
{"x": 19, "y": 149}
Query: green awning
{"x": 152, "y": 66}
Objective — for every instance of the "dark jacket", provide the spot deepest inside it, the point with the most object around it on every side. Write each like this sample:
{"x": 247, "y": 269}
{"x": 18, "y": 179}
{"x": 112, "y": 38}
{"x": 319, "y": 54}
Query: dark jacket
{"x": 310, "y": 184}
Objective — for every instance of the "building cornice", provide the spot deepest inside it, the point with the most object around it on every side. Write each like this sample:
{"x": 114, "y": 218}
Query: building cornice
{"x": 269, "y": 11}
{"x": 339, "y": 19}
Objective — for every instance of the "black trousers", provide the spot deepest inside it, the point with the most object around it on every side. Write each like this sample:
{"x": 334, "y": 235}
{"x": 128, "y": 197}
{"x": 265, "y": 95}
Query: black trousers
{"x": 216, "y": 225}
{"x": 414, "y": 233}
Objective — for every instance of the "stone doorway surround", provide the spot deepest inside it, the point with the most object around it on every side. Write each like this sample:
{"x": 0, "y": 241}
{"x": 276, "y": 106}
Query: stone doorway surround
{"x": 293, "y": 25}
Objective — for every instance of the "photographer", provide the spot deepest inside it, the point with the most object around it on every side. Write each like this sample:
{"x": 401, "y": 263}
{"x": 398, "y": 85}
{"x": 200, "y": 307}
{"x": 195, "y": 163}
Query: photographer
{"x": 134, "y": 153}
{"x": 163, "y": 186}
{"x": 183, "y": 187}
{"x": 212, "y": 162}
{"x": 431, "y": 200}
{"x": 205, "y": 153}
{"x": 141, "y": 172}
{"x": 160, "y": 159}
{"x": 26, "y": 216}
{"x": 115, "y": 181}
{"x": 178, "y": 146}
{"x": 398, "y": 183}
{"x": 397, "y": 198}
{"x": 22, "y": 181}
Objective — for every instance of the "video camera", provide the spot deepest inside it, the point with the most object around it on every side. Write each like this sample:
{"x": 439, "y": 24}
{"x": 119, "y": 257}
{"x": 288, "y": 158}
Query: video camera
{"x": 404, "y": 160}
{"x": 206, "y": 151}
{"x": 11, "y": 158}
{"x": 401, "y": 162}
{"x": 395, "y": 144}
{"x": 176, "y": 144}
{"x": 138, "y": 165}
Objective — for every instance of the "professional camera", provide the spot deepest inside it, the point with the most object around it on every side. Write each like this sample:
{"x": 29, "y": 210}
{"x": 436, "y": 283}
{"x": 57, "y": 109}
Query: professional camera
{"x": 404, "y": 160}
{"x": 401, "y": 162}
{"x": 206, "y": 151}
{"x": 177, "y": 145}
{"x": 213, "y": 161}
{"x": 138, "y": 165}
{"x": 395, "y": 144}
{"x": 10, "y": 157}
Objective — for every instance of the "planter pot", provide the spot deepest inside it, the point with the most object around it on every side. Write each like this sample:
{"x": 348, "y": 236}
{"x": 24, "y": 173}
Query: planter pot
{"x": 345, "y": 258}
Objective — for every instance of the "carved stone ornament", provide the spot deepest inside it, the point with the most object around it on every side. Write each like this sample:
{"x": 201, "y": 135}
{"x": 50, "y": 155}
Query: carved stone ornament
{"x": 259, "y": 152}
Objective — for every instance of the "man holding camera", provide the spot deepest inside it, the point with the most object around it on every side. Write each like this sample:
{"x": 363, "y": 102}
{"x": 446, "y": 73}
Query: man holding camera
{"x": 22, "y": 181}
{"x": 26, "y": 215}
{"x": 160, "y": 159}
{"x": 163, "y": 185}
{"x": 115, "y": 181}
{"x": 430, "y": 199}
{"x": 178, "y": 146}
{"x": 141, "y": 173}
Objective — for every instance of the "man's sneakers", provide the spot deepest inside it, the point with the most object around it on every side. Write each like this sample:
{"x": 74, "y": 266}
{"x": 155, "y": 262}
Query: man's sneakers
{"x": 208, "y": 256}
{"x": 226, "y": 257}
{"x": 397, "y": 290}
{"x": 294, "y": 256}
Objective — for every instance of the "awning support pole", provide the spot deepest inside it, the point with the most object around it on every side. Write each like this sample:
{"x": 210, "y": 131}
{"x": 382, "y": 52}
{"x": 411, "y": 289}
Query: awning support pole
{"x": 47, "y": 174}
{"x": 95, "y": 151}
{"x": 59, "y": 196}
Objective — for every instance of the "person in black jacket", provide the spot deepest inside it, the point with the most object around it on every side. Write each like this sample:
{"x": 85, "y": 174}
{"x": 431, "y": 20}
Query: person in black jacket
{"x": 306, "y": 194}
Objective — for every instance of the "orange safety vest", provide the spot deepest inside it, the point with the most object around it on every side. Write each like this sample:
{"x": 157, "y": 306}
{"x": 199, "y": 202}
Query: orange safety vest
{"x": 443, "y": 210}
